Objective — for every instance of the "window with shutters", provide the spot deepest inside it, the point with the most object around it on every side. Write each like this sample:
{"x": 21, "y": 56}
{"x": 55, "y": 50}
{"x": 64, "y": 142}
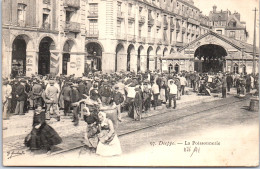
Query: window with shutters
{"x": 46, "y": 18}
{"x": 93, "y": 8}
{"x": 130, "y": 9}
{"x": 93, "y": 27}
{"x": 232, "y": 34}
{"x": 235, "y": 68}
{"x": 21, "y": 13}
{"x": 118, "y": 27}
{"x": 130, "y": 26}
{"x": 119, "y": 4}
{"x": 149, "y": 31}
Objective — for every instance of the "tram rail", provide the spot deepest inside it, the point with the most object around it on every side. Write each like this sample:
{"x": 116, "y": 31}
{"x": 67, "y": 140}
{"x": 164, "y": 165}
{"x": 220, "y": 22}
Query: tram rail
{"x": 158, "y": 123}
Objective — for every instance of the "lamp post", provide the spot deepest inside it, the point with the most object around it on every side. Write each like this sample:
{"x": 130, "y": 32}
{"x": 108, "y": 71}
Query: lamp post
{"x": 243, "y": 59}
{"x": 254, "y": 43}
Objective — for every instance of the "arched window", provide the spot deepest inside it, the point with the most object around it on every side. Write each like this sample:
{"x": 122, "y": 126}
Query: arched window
{"x": 170, "y": 68}
{"x": 235, "y": 68}
{"x": 176, "y": 68}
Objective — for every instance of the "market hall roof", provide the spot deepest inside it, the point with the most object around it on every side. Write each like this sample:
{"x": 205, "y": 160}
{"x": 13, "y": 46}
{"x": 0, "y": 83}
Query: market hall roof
{"x": 248, "y": 48}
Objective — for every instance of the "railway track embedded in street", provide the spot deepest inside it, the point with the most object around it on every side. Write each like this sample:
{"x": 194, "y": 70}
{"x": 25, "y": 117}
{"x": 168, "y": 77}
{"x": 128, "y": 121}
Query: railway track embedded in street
{"x": 164, "y": 121}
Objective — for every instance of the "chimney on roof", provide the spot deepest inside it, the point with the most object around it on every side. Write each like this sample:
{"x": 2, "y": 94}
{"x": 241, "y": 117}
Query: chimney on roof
{"x": 214, "y": 9}
{"x": 237, "y": 15}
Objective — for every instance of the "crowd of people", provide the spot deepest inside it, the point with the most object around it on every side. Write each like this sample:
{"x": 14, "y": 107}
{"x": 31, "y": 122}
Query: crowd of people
{"x": 136, "y": 93}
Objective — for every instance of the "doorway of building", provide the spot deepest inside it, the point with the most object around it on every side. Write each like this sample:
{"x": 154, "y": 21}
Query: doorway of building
{"x": 65, "y": 60}
{"x": 46, "y": 45}
{"x": 176, "y": 68}
{"x": 211, "y": 57}
{"x": 18, "y": 57}
{"x": 94, "y": 51}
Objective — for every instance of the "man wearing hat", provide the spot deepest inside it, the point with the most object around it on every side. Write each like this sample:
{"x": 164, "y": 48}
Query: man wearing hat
{"x": 88, "y": 85}
{"x": 118, "y": 99}
{"x": 20, "y": 96}
{"x": 173, "y": 91}
{"x": 224, "y": 86}
{"x": 105, "y": 93}
{"x": 229, "y": 82}
{"x": 66, "y": 93}
{"x": 6, "y": 98}
{"x": 147, "y": 95}
{"x": 156, "y": 92}
{"x": 14, "y": 85}
{"x": 130, "y": 90}
{"x": 138, "y": 104}
{"x": 52, "y": 94}
{"x": 37, "y": 93}
{"x": 82, "y": 89}
{"x": 74, "y": 103}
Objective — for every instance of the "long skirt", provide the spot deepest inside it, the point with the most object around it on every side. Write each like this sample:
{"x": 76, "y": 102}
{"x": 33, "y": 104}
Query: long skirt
{"x": 91, "y": 138}
{"x": 43, "y": 138}
{"x": 110, "y": 148}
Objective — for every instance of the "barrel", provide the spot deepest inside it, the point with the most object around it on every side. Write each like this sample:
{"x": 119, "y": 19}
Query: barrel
{"x": 254, "y": 104}
{"x": 111, "y": 114}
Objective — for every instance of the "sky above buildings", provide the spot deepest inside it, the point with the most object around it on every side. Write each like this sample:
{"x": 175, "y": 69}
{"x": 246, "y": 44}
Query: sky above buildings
{"x": 244, "y": 7}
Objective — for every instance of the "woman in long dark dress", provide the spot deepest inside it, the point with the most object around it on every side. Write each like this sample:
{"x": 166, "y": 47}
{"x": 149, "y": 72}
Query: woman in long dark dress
{"x": 42, "y": 135}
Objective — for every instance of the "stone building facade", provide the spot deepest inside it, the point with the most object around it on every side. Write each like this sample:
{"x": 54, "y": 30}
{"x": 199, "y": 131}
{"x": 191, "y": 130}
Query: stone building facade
{"x": 228, "y": 24}
{"x": 43, "y": 37}
{"x": 74, "y": 36}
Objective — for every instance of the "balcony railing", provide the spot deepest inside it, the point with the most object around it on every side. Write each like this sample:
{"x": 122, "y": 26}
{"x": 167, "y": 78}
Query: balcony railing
{"x": 150, "y": 40}
{"x": 121, "y": 36}
{"x": 92, "y": 14}
{"x": 141, "y": 19}
{"x": 131, "y": 17}
{"x": 151, "y": 22}
{"x": 72, "y": 3}
{"x": 46, "y": 26}
{"x": 158, "y": 24}
{"x": 179, "y": 44}
{"x": 92, "y": 34}
{"x": 120, "y": 15}
{"x": 72, "y": 27}
{"x": 131, "y": 38}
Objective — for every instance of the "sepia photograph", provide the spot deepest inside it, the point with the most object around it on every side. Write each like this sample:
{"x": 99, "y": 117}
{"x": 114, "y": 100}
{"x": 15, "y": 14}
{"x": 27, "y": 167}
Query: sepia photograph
{"x": 130, "y": 83}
